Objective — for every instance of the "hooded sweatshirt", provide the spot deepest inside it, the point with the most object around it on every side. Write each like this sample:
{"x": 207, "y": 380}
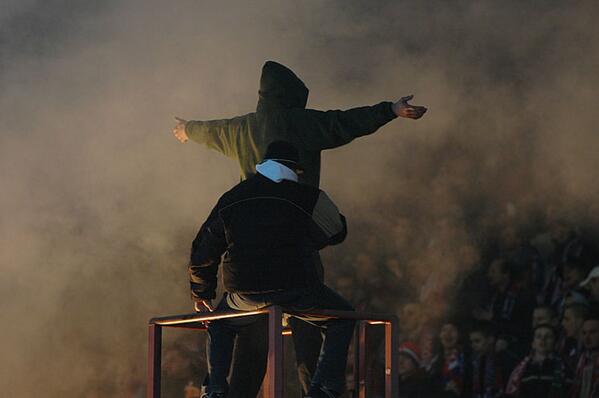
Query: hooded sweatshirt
{"x": 281, "y": 114}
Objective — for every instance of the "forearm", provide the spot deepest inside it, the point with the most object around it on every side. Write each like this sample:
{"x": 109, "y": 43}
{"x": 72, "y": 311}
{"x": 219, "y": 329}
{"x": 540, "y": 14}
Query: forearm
{"x": 334, "y": 128}
{"x": 203, "y": 281}
{"x": 206, "y": 252}
{"x": 214, "y": 134}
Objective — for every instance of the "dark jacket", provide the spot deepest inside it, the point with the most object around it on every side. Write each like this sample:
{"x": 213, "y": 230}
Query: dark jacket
{"x": 281, "y": 115}
{"x": 549, "y": 379}
{"x": 269, "y": 233}
{"x": 512, "y": 312}
{"x": 415, "y": 385}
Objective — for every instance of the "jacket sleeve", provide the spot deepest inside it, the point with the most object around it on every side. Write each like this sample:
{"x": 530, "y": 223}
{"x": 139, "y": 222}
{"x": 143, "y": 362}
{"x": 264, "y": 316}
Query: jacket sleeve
{"x": 206, "y": 251}
{"x": 329, "y": 227}
{"x": 326, "y": 130}
{"x": 220, "y": 135}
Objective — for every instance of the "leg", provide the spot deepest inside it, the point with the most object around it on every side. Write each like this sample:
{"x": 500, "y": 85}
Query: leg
{"x": 219, "y": 350}
{"x": 307, "y": 340}
{"x": 332, "y": 362}
{"x": 249, "y": 360}
{"x": 275, "y": 353}
{"x": 221, "y": 340}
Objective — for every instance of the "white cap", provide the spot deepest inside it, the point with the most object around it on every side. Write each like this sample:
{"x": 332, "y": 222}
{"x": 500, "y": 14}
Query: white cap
{"x": 593, "y": 274}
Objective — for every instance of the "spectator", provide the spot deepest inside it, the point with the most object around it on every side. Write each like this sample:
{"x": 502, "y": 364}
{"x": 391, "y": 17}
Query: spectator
{"x": 543, "y": 373}
{"x": 414, "y": 328}
{"x": 191, "y": 391}
{"x": 268, "y": 227}
{"x": 575, "y": 272}
{"x": 544, "y": 315}
{"x": 412, "y": 377}
{"x": 571, "y": 345}
{"x": 591, "y": 283}
{"x": 562, "y": 235}
{"x": 576, "y": 297}
{"x": 525, "y": 259}
{"x": 490, "y": 369}
{"x": 509, "y": 306}
{"x": 586, "y": 381}
{"x": 450, "y": 369}
{"x": 281, "y": 114}
{"x": 576, "y": 266}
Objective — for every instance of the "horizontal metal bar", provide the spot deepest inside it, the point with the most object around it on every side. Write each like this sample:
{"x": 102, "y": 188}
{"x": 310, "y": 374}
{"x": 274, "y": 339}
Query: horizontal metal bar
{"x": 189, "y": 319}
{"x": 189, "y": 326}
{"x": 202, "y": 317}
{"x": 370, "y": 317}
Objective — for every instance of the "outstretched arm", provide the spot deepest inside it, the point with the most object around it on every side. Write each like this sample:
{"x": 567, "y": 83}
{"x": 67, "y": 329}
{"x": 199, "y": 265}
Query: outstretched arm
{"x": 325, "y": 130}
{"x": 219, "y": 135}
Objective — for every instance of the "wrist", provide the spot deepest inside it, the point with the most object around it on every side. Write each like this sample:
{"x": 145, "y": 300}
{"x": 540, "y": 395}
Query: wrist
{"x": 395, "y": 108}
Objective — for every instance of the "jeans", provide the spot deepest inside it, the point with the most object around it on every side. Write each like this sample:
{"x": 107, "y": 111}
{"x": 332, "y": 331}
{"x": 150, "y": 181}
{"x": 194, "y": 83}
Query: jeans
{"x": 337, "y": 333}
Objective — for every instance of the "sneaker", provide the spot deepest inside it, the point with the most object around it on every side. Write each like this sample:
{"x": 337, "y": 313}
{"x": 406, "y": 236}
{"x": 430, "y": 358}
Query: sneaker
{"x": 322, "y": 392}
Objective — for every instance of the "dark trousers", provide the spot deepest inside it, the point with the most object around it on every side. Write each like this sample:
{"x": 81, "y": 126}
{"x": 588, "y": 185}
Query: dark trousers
{"x": 337, "y": 333}
{"x": 251, "y": 350}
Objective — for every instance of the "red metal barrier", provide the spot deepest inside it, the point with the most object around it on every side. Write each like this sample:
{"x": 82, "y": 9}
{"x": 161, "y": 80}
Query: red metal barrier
{"x": 274, "y": 371}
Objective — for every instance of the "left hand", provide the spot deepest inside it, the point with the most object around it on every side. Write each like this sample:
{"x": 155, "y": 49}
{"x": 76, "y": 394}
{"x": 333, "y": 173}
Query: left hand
{"x": 179, "y": 130}
{"x": 203, "y": 305}
{"x": 402, "y": 109}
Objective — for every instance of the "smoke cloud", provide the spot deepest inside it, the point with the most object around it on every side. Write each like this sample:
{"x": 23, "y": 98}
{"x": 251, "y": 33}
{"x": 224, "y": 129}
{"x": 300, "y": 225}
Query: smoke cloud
{"x": 100, "y": 202}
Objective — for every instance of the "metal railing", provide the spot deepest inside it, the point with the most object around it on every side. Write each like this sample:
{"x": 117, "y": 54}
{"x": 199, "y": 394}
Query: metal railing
{"x": 273, "y": 381}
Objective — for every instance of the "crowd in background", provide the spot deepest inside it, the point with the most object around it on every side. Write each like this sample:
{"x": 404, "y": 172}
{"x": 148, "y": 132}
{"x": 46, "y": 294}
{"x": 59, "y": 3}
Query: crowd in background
{"x": 522, "y": 322}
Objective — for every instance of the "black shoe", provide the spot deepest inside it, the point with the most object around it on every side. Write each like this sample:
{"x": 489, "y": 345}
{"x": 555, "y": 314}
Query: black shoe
{"x": 322, "y": 392}
{"x": 214, "y": 395}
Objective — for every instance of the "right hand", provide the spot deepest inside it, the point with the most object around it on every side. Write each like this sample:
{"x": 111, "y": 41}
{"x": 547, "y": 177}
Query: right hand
{"x": 402, "y": 109}
{"x": 179, "y": 130}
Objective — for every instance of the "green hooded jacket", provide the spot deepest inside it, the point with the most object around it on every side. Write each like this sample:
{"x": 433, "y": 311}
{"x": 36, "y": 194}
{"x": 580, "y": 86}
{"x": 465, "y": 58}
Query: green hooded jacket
{"x": 282, "y": 115}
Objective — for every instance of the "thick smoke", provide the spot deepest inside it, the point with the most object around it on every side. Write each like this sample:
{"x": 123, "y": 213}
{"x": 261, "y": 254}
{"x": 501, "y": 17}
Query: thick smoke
{"x": 100, "y": 202}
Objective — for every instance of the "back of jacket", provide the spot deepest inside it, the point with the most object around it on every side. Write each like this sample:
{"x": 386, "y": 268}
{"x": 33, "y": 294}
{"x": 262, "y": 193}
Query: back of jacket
{"x": 267, "y": 228}
{"x": 268, "y": 233}
{"x": 281, "y": 114}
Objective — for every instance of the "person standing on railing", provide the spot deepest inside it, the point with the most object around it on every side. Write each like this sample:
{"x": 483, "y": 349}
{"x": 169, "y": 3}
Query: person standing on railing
{"x": 281, "y": 114}
{"x": 268, "y": 228}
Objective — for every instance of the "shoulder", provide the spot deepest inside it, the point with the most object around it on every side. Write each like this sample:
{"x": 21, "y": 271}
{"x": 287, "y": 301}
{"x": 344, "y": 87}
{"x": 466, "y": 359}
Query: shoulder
{"x": 244, "y": 118}
{"x": 306, "y": 191}
{"x": 238, "y": 190}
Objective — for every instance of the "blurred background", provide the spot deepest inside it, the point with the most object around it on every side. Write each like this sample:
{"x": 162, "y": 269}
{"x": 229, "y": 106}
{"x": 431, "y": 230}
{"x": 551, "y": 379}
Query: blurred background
{"x": 100, "y": 202}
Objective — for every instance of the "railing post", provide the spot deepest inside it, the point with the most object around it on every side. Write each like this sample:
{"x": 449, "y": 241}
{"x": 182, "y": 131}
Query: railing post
{"x": 274, "y": 368}
{"x": 154, "y": 360}
{"x": 391, "y": 352}
{"x": 361, "y": 370}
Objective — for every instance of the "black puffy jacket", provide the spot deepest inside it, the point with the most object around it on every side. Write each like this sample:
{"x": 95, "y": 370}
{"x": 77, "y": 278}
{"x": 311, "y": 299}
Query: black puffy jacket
{"x": 268, "y": 233}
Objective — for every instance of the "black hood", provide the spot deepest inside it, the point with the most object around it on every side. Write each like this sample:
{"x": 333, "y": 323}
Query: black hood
{"x": 281, "y": 88}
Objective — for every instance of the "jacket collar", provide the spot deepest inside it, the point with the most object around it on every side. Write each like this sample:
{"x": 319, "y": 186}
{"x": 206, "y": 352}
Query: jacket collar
{"x": 275, "y": 171}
